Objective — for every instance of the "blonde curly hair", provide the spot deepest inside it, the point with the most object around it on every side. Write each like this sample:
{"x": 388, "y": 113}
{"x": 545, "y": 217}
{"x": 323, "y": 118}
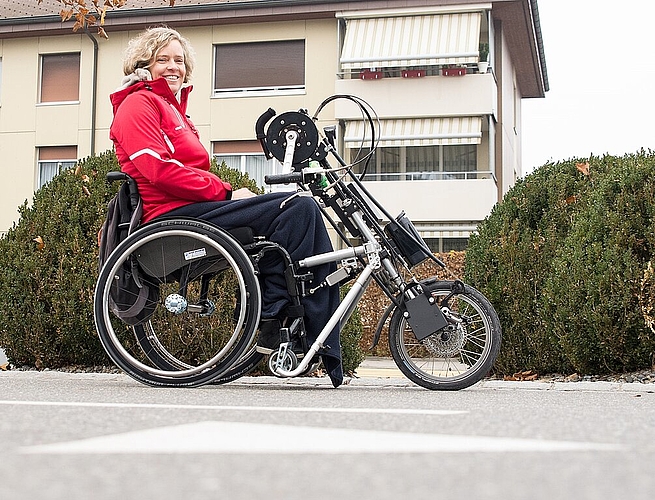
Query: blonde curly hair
{"x": 142, "y": 50}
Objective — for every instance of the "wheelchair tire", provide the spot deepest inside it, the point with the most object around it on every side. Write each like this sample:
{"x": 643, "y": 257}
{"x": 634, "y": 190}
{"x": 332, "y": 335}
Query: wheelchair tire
{"x": 241, "y": 368}
{"x": 216, "y": 304}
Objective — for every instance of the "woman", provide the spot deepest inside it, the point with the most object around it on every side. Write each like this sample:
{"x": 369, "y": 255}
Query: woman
{"x": 159, "y": 147}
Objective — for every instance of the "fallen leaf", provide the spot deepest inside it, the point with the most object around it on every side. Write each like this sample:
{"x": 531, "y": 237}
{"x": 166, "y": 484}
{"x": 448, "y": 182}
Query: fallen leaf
{"x": 583, "y": 167}
{"x": 40, "y": 244}
{"x": 86, "y": 191}
{"x": 527, "y": 375}
{"x": 86, "y": 178}
{"x": 571, "y": 199}
{"x": 4, "y": 367}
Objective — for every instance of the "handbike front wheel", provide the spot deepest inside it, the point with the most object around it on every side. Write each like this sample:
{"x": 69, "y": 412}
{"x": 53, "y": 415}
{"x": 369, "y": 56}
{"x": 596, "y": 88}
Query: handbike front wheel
{"x": 208, "y": 278}
{"x": 458, "y": 355}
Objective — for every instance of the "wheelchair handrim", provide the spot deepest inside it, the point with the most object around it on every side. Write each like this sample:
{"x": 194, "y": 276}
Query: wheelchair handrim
{"x": 179, "y": 373}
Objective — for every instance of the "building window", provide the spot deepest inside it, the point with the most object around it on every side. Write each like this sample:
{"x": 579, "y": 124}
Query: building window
{"x": 60, "y": 78}
{"x": 255, "y": 165}
{"x": 247, "y": 158}
{"x": 276, "y": 67}
{"x": 445, "y": 245}
{"x": 411, "y": 163}
{"x": 52, "y": 161}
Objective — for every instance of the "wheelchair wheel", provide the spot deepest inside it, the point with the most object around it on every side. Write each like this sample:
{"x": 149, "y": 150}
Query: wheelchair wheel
{"x": 203, "y": 315}
{"x": 458, "y": 355}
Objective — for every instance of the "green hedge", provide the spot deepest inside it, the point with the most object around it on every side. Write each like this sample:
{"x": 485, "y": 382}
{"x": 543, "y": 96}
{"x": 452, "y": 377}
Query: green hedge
{"x": 562, "y": 258}
{"x": 46, "y": 289}
{"x": 48, "y": 269}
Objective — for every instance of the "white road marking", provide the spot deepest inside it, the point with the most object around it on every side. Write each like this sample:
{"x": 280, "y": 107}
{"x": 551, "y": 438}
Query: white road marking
{"x": 278, "y": 409}
{"x": 243, "y": 438}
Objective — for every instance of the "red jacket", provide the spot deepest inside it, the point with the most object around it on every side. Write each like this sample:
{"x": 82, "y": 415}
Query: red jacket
{"x": 159, "y": 147}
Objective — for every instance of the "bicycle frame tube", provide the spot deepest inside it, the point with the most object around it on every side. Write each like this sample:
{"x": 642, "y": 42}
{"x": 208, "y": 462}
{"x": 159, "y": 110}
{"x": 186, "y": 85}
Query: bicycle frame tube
{"x": 351, "y": 297}
{"x": 335, "y": 256}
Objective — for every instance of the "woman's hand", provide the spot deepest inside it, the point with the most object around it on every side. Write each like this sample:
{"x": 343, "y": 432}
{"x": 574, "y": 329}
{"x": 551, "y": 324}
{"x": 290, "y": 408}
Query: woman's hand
{"x": 242, "y": 194}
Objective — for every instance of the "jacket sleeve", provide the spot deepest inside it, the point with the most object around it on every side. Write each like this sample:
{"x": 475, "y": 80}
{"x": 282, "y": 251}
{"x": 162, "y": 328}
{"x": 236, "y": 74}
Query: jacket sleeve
{"x": 137, "y": 129}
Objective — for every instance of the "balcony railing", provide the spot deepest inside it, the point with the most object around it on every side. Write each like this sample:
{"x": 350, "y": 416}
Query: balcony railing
{"x": 414, "y": 72}
{"x": 430, "y": 176}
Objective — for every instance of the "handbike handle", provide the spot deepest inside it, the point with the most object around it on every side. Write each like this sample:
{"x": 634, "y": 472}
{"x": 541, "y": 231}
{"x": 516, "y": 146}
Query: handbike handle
{"x": 290, "y": 178}
{"x": 306, "y": 175}
{"x": 116, "y": 175}
{"x": 259, "y": 130}
{"x": 262, "y": 120}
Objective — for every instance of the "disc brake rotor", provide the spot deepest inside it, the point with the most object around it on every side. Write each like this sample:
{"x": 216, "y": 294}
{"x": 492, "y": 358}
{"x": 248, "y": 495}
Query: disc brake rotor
{"x": 447, "y": 342}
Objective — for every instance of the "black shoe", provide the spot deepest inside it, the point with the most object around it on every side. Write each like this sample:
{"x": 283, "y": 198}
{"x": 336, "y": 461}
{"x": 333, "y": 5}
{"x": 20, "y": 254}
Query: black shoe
{"x": 269, "y": 336}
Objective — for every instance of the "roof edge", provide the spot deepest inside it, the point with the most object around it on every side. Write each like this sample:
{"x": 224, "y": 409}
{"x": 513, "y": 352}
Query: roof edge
{"x": 539, "y": 41}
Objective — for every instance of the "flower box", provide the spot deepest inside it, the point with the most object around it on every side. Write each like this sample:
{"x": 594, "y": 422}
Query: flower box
{"x": 369, "y": 74}
{"x": 453, "y": 71}
{"x": 413, "y": 73}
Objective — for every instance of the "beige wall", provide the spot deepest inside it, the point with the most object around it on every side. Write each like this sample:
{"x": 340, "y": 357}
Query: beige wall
{"x": 26, "y": 125}
{"x": 320, "y": 74}
{"x": 510, "y": 121}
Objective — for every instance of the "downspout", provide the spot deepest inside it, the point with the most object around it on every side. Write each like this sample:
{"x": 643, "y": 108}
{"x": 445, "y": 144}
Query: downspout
{"x": 94, "y": 91}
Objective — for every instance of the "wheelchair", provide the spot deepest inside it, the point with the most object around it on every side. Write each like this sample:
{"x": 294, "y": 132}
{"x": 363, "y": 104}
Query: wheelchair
{"x": 199, "y": 325}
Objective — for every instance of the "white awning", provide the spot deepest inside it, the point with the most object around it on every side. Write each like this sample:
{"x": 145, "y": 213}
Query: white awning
{"x": 406, "y": 41}
{"x": 417, "y": 132}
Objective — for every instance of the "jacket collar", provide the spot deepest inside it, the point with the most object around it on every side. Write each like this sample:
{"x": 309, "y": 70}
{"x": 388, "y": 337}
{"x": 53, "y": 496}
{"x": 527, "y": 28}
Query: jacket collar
{"x": 159, "y": 87}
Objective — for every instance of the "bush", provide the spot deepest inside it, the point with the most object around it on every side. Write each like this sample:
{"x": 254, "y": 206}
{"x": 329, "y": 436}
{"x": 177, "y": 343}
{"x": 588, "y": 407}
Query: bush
{"x": 647, "y": 296}
{"x": 562, "y": 259}
{"x": 49, "y": 267}
{"x": 351, "y": 334}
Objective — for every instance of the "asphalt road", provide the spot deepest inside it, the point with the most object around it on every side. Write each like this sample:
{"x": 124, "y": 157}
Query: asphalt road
{"x": 102, "y": 436}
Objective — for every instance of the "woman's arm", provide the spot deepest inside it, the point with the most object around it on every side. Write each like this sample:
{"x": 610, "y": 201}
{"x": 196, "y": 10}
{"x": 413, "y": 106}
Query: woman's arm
{"x": 177, "y": 165}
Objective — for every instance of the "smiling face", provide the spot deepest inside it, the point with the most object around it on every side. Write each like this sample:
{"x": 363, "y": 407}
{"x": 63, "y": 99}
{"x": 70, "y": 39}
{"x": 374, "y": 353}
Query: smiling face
{"x": 169, "y": 64}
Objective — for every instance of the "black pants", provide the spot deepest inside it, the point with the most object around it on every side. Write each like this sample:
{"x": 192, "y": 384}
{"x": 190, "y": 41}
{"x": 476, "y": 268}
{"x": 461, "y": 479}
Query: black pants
{"x": 299, "y": 228}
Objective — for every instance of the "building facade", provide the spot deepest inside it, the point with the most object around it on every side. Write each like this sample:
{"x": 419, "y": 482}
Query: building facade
{"x": 449, "y": 129}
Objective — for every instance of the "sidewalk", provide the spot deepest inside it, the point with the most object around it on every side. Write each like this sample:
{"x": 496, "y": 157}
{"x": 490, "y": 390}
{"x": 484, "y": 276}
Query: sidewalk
{"x": 373, "y": 367}
{"x": 373, "y": 372}
{"x": 383, "y": 371}
{"x": 3, "y": 359}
